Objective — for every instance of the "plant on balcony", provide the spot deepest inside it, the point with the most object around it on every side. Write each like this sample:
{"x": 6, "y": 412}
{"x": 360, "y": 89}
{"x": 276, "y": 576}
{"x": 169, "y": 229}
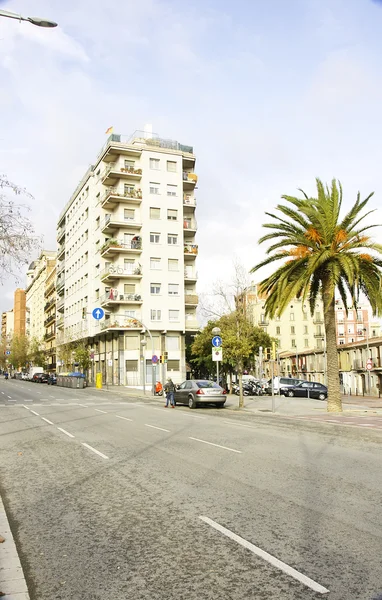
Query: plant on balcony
{"x": 110, "y": 243}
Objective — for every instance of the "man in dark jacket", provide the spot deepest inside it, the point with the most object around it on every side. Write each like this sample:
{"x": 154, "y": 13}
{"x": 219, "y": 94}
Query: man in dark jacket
{"x": 169, "y": 389}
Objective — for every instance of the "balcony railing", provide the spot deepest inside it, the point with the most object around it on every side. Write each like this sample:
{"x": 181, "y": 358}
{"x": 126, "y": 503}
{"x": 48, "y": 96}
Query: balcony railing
{"x": 128, "y": 172}
{"x": 318, "y": 320}
{"x": 189, "y": 200}
{"x": 60, "y": 284}
{"x": 190, "y": 178}
{"x": 49, "y": 304}
{"x": 121, "y": 322}
{"x": 112, "y": 221}
{"x": 263, "y": 323}
{"x": 115, "y": 272}
{"x": 61, "y": 304}
{"x": 191, "y": 299}
{"x": 189, "y": 224}
{"x": 61, "y": 232}
{"x": 60, "y": 322}
{"x": 190, "y": 248}
{"x": 113, "y": 296}
{"x": 189, "y": 274}
{"x": 49, "y": 335}
{"x": 49, "y": 320}
{"x": 113, "y": 191}
{"x": 114, "y": 244}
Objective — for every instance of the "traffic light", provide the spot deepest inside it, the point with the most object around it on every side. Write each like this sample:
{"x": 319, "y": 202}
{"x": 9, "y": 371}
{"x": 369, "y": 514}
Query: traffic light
{"x": 165, "y": 357}
{"x": 84, "y": 313}
{"x": 161, "y": 359}
{"x": 267, "y": 353}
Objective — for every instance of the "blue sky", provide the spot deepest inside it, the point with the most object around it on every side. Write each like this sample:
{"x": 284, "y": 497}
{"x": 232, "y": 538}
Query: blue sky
{"x": 270, "y": 93}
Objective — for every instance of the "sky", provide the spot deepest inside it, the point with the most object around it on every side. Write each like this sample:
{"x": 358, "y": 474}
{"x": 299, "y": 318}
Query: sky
{"x": 271, "y": 94}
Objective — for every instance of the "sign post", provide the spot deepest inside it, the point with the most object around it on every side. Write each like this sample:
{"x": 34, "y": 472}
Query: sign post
{"x": 217, "y": 350}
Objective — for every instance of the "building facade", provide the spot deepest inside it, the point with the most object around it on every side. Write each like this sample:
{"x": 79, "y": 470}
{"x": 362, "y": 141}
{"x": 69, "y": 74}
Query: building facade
{"x": 37, "y": 275}
{"x": 127, "y": 245}
{"x": 50, "y": 319}
{"x": 19, "y": 311}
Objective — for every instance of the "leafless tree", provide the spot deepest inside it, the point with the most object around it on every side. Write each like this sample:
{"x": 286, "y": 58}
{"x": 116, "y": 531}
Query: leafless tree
{"x": 18, "y": 240}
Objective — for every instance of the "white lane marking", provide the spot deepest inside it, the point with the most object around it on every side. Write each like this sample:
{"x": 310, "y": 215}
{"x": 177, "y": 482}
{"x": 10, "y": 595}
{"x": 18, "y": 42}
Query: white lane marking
{"x": 3, "y": 392}
{"x": 9, "y": 396}
{"x": 94, "y": 450}
{"x": 160, "y": 428}
{"x": 217, "y": 445}
{"x": 366, "y": 425}
{"x": 27, "y": 407}
{"x": 240, "y": 424}
{"x": 39, "y": 392}
{"x": 101, "y": 411}
{"x": 83, "y": 405}
{"x": 125, "y": 418}
{"x": 66, "y": 432}
{"x": 192, "y": 416}
{"x": 47, "y": 420}
{"x": 51, "y": 396}
{"x": 313, "y": 585}
{"x": 35, "y": 413}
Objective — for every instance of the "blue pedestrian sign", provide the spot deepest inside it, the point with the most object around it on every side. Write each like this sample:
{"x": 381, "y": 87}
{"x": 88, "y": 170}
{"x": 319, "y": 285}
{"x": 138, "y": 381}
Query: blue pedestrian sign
{"x": 98, "y": 313}
{"x": 154, "y": 359}
{"x": 7, "y": 352}
{"x": 217, "y": 341}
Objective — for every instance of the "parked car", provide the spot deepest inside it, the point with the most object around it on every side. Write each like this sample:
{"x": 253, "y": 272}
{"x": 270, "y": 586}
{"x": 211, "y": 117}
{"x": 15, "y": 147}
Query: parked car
{"x": 200, "y": 391}
{"x": 40, "y": 377}
{"x": 306, "y": 389}
{"x": 24, "y": 376}
{"x": 281, "y": 382}
{"x": 52, "y": 379}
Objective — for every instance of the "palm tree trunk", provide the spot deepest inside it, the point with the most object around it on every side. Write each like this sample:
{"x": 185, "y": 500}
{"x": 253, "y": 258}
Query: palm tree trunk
{"x": 334, "y": 403}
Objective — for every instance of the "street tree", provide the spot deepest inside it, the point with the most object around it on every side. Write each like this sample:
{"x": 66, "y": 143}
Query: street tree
{"x": 323, "y": 251}
{"x": 37, "y": 355}
{"x": 18, "y": 240}
{"x": 82, "y": 355}
{"x": 19, "y": 351}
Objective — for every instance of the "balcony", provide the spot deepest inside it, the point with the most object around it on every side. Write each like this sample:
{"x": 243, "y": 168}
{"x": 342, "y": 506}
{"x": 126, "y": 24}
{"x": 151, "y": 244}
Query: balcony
{"x": 49, "y": 335}
{"x": 189, "y": 200}
{"x": 189, "y": 180}
{"x": 60, "y": 285}
{"x": 49, "y": 289}
{"x": 120, "y": 322}
{"x": 114, "y": 246}
{"x": 61, "y": 233}
{"x": 60, "y": 268}
{"x": 191, "y": 299}
{"x": 263, "y": 323}
{"x": 61, "y": 305}
{"x": 318, "y": 320}
{"x": 319, "y": 334}
{"x": 61, "y": 252}
{"x": 112, "y": 197}
{"x": 190, "y": 251}
{"x": 114, "y": 272}
{"x": 189, "y": 227}
{"x": 191, "y": 325}
{"x": 112, "y": 223}
{"x": 190, "y": 275}
{"x": 60, "y": 323}
{"x": 113, "y": 298}
{"x": 114, "y": 172}
{"x": 49, "y": 320}
{"x": 49, "y": 304}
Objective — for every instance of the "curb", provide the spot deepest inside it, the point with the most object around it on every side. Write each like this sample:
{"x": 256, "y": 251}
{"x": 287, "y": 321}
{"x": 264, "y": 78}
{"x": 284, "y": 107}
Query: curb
{"x": 12, "y": 580}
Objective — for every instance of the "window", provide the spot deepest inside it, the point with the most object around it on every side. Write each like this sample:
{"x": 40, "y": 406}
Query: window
{"x": 278, "y": 330}
{"x": 171, "y": 166}
{"x": 305, "y": 329}
{"x": 305, "y": 316}
{"x": 292, "y": 330}
{"x": 97, "y": 222}
{"x": 173, "y": 365}
{"x": 172, "y": 342}
{"x": 154, "y": 238}
{"x": 173, "y": 264}
{"x": 131, "y": 365}
{"x": 173, "y": 289}
{"x": 306, "y": 343}
{"x": 293, "y": 343}
{"x": 171, "y": 190}
{"x": 131, "y": 343}
{"x": 155, "y": 315}
{"x": 154, "y": 288}
{"x": 155, "y": 164}
{"x": 173, "y": 315}
{"x": 155, "y": 263}
{"x": 154, "y": 213}
{"x": 154, "y": 188}
{"x": 129, "y": 164}
{"x": 130, "y": 313}
{"x": 129, "y": 214}
{"x": 291, "y": 317}
{"x": 128, "y": 265}
{"x": 128, "y": 189}
{"x": 350, "y": 315}
{"x": 342, "y": 342}
{"x": 172, "y": 215}
{"x": 129, "y": 288}
{"x": 172, "y": 239}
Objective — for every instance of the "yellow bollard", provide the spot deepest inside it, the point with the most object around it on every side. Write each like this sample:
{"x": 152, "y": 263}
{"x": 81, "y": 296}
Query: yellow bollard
{"x": 99, "y": 381}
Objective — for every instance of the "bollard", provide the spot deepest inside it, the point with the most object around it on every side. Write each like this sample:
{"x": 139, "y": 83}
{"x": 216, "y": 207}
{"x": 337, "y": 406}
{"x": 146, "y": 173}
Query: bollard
{"x": 99, "y": 380}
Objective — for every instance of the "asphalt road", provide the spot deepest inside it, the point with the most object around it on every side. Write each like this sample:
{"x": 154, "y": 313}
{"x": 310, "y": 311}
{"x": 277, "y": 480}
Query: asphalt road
{"x": 120, "y": 499}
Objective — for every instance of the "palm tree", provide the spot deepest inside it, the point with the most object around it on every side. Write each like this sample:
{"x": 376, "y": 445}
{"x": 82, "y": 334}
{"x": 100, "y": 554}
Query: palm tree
{"x": 322, "y": 252}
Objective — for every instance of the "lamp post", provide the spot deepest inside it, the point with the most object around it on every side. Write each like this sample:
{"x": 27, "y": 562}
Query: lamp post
{"x": 143, "y": 346}
{"x": 367, "y": 357}
{"x": 39, "y": 21}
{"x": 217, "y": 331}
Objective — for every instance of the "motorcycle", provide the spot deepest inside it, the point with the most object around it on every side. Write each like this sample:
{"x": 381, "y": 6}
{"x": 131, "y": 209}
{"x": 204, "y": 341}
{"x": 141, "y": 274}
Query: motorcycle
{"x": 250, "y": 388}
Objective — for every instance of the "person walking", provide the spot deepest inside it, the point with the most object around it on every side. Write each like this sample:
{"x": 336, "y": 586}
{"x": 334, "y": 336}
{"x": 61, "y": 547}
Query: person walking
{"x": 169, "y": 389}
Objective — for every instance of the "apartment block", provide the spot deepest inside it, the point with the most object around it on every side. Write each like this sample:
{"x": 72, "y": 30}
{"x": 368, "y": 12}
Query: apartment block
{"x": 37, "y": 274}
{"x": 353, "y": 326}
{"x": 19, "y": 311}
{"x": 127, "y": 245}
{"x": 50, "y": 319}
{"x": 7, "y": 328}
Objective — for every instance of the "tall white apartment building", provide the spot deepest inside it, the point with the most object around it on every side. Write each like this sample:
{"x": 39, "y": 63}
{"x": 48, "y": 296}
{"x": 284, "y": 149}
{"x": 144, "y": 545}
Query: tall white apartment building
{"x": 37, "y": 274}
{"x": 127, "y": 245}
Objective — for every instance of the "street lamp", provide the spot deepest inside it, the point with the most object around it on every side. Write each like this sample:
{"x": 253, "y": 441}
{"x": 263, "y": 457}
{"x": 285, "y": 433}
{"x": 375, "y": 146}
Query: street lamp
{"x": 217, "y": 331}
{"x": 143, "y": 346}
{"x": 39, "y": 21}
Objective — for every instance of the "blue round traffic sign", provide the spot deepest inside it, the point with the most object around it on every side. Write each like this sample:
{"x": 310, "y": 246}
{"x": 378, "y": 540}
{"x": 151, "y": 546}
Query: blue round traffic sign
{"x": 217, "y": 341}
{"x": 154, "y": 359}
{"x": 98, "y": 313}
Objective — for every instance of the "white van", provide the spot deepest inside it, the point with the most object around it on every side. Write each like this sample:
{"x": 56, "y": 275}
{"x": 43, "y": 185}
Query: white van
{"x": 279, "y": 382}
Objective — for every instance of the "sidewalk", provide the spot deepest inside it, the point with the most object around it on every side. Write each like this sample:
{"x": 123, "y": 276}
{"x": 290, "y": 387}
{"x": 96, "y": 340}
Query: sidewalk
{"x": 263, "y": 404}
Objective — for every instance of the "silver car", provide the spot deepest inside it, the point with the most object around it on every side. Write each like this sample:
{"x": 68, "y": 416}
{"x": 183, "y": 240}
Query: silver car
{"x": 200, "y": 391}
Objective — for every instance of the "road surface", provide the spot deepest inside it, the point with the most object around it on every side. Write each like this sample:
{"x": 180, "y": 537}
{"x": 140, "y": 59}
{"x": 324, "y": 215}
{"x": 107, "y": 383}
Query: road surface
{"x": 121, "y": 499}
